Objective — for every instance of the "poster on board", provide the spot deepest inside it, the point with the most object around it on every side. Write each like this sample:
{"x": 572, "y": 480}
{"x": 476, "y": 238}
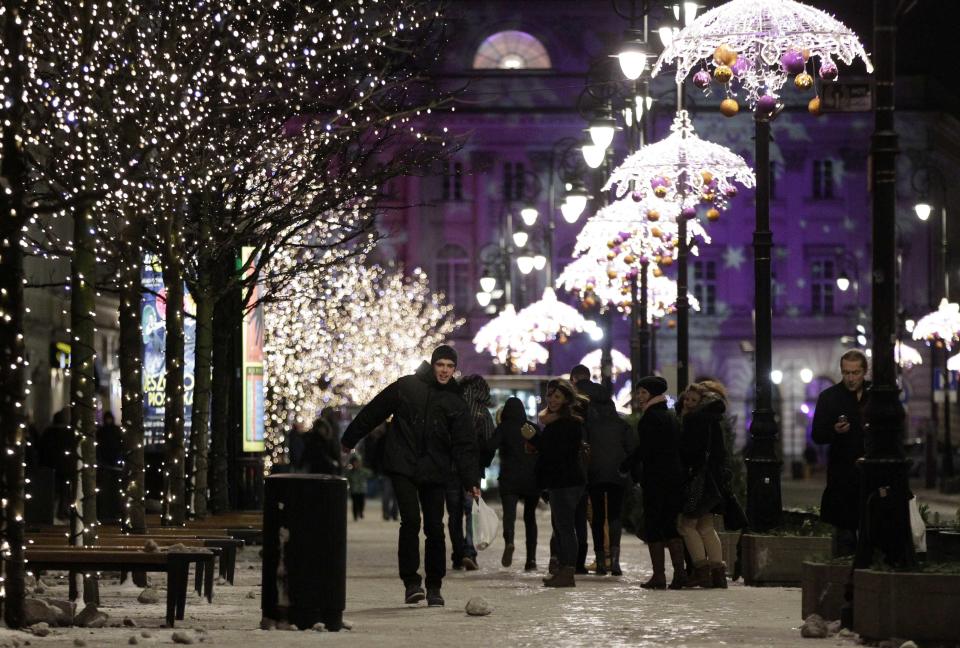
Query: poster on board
{"x": 153, "y": 324}
{"x": 253, "y": 385}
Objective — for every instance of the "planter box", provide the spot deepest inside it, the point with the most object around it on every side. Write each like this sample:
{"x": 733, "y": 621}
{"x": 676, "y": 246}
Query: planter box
{"x": 943, "y": 545}
{"x": 823, "y": 587}
{"x": 728, "y": 541}
{"x": 923, "y": 607}
{"x": 778, "y": 560}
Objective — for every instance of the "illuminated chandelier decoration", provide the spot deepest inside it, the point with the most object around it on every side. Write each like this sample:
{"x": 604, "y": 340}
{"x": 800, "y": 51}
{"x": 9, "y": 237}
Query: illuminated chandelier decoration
{"x": 905, "y": 355}
{"x": 940, "y": 328}
{"x": 508, "y": 340}
{"x": 754, "y": 46}
{"x": 621, "y": 363}
{"x": 589, "y": 280}
{"x": 682, "y": 169}
{"x": 549, "y": 319}
{"x": 953, "y": 364}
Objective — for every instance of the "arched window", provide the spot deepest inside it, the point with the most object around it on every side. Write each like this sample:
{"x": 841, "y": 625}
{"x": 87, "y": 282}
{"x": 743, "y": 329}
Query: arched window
{"x": 452, "y": 276}
{"x": 511, "y": 50}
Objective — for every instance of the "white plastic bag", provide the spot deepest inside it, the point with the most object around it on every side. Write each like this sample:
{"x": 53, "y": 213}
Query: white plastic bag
{"x": 486, "y": 525}
{"x": 917, "y": 527}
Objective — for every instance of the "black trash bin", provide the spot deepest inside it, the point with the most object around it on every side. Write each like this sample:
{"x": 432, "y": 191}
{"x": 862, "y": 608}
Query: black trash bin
{"x": 305, "y": 550}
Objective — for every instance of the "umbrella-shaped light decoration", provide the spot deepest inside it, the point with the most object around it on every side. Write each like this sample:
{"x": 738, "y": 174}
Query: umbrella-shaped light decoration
{"x": 953, "y": 364}
{"x": 621, "y": 363}
{"x": 589, "y": 280}
{"x": 530, "y": 356}
{"x": 685, "y": 170}
{"x": 503, "y": 338}
{"x": 548, "y": 319}
{"x": 941, "y": 327}
{"x": 755, "y": 46}
{"x": 906, "y": 356}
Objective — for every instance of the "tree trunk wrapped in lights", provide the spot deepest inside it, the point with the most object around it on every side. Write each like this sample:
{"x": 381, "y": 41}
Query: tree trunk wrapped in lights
{"x": 131, "y": 381}
{"x": 174, "y": 497}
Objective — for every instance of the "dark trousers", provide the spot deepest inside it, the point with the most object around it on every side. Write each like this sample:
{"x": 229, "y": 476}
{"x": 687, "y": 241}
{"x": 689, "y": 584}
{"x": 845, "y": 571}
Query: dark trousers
{"x": 563, "y": 512}
{"x": 359, "y": 500}
{"x": 413, "y": 498}
{"x": 581, "y": 526}
{"x": 388, "y": 499}
{"x": 607, "y": 503}
{"x": 458, "y": 512}
{"x": 844, "y": 542}
{"x": 509, "y": 501}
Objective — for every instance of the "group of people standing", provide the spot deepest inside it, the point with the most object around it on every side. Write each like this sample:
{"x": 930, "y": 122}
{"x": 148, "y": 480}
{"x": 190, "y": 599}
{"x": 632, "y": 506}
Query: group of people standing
{"x": 578, "y": 455}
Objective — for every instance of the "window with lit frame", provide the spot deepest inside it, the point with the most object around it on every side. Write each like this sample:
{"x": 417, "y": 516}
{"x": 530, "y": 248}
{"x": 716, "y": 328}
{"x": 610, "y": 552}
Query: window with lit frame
{"x": 705, "y": 285}
{"x": 452, "y": 276}
{"x": 822, "y": 286}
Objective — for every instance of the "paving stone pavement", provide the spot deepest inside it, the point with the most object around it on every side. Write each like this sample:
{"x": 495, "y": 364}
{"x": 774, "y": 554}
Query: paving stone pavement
{"x": 600, "y": 611}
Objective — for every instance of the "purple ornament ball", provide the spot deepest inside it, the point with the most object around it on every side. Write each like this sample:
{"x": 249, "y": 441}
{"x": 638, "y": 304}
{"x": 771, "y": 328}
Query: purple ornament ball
{"x": 766, "y": 104}
{"x": 792, "y": 61}
{"x": 740, "y": 66}
{"x": 689, "y": 212}
{"x": 637, "y": 196}
{"x": 633, "y": 272}
{"x": 730, "y": 192}
{"x": 623, "y": 235}
{"x": 701, "y": 79}
{"x": 828, "y": 70}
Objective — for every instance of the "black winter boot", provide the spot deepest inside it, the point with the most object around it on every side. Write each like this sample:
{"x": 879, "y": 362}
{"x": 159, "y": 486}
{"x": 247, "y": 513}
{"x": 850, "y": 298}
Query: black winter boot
{"x": 659, "y": 578}
{"x": 615, "y": 562}
{"x": 679, "y": 570}
{"x": 601, "y": 564}
{"x": 563, "y": 578}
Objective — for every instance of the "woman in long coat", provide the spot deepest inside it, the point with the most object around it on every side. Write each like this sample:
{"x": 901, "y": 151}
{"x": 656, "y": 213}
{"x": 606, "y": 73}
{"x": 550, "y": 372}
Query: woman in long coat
{"x": 705, "y": 457}
{"x": 658, "y": 438}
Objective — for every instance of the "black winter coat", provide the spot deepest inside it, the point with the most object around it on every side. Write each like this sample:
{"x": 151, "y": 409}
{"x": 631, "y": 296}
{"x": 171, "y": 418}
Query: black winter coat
{"x": 431, "y": 432}
{"x": 558, "y": 454}
{"x": 518, "y": 468}
{"x": 658, "y": 441}
{"x": 703, "y": 427}
{"x": 840, "y": 504}
{"x": 611, "y": 441}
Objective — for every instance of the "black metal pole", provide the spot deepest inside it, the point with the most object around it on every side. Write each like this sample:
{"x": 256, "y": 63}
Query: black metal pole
{"x": 606, "y": 353}
{"x": 683, "y": 304}
{"x": 947, "y": 441}
{"x": 764, "y": 504}
{"x": 644, "y": 320}
{"x": 931, "y": 439}
{"x": 884, "y": 486}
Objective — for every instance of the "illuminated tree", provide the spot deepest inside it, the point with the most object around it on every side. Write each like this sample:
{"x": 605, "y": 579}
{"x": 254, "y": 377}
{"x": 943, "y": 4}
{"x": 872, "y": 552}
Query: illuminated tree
{"x": 341, "y": 337}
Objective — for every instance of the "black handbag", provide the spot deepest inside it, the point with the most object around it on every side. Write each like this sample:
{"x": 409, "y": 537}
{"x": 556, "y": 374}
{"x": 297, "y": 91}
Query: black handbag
{"x": 700, "y": 493}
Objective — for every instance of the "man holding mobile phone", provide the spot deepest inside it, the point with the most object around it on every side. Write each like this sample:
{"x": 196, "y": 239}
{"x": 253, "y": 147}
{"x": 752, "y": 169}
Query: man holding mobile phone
{"x": 838, "y": 421}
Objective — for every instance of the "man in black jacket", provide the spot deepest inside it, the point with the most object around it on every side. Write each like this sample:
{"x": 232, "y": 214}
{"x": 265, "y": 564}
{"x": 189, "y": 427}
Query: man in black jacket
{"x": 838, "y": 420}
{"x": 432, "y": 433}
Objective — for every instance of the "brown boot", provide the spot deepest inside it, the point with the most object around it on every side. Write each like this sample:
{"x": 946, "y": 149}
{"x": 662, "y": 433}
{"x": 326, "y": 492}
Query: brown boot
{"x": 701, "y": 575}
{"x": 659, "y": 579}
{"x": 563, "y": 578}
{"x": 718, "y": 575}
{"x": 676, "y": 558}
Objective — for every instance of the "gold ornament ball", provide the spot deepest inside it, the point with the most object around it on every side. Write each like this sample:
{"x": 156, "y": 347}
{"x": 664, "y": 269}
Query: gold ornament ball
{"x": 660, "y": 192}
{"x": 629, "y": 259}
{"x": 729, "y": 107}
{"x": 707, "y": 176}
{"x": 611, "y": 256}
{"x": 611, "y": 244}
{"x": 814, "y": 106}
{"x": 671, "y": 324}
{"x": 708, "y": 197}
{"x": 803, "y": 81}
{"x": 722, "y": 74}
{"x": 713, "y": 214}
{"x": 562, "y": 339}
{"x": 589, "y": 302}
{"x": 667, "y": 260}
{"x": 656, "y": 232}
{"x": 724, "y": 55}
{"x": 591, "y": 286}
{"x": 657, "y": 272}
{"x": 806, "y": 54}
{"x": 653, "y": 215}
{"x": 612, "y": 274}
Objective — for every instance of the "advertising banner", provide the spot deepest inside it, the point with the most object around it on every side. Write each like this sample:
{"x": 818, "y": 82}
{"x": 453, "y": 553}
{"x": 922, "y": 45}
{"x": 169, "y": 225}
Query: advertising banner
{"x": 253, "y": 386}
{"x": 153, "y": 314}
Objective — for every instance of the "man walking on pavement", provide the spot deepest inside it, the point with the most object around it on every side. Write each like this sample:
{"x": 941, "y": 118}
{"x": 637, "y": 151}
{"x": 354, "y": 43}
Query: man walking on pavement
{"x": 432, "y": 432}
{"x": 838, "y": 420}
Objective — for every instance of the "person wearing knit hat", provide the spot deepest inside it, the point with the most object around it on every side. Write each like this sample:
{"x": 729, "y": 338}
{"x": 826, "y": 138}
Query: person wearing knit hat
{"x": 655, "y": 385}
{"x": 430, "y": 441}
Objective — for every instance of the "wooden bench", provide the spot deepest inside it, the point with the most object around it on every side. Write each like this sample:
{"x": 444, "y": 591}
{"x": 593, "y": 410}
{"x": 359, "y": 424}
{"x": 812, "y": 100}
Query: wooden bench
{"x": 203, "y": 569}
{"x": 212, "y": 538}
{"x": 176, "y": 564}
